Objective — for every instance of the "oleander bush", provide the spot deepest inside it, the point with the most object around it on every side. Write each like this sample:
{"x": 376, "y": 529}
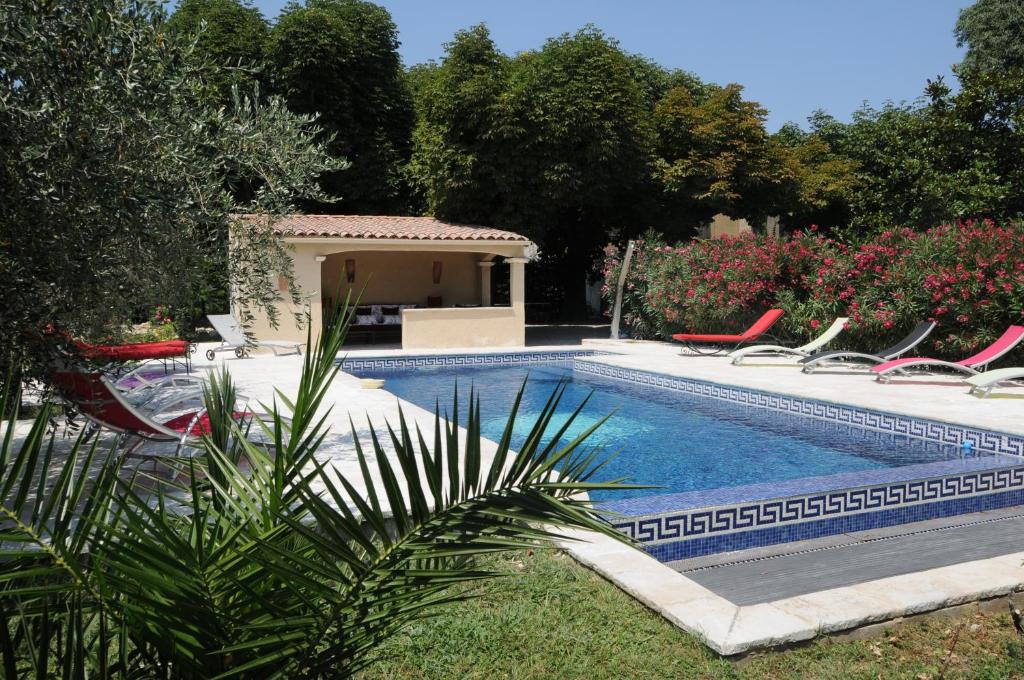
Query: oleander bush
{"x": 968, "y": 276}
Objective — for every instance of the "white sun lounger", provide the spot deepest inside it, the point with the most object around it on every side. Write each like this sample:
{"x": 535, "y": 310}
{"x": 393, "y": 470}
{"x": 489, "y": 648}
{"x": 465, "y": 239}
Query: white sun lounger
{"x": 982, "y": 384}
{"x": 803, "y": 350}
{"x": 233, "y": 339}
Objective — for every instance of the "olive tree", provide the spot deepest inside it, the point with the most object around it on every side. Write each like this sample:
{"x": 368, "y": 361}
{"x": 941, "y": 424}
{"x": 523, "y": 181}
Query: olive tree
{"x": 120, "y": 174}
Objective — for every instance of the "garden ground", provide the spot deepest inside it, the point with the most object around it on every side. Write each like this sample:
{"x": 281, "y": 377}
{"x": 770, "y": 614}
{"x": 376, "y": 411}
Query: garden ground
{"x": 556, "y": 619}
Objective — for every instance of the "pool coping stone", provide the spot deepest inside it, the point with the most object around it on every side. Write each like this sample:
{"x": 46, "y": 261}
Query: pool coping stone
{"x": 732, "y": 630}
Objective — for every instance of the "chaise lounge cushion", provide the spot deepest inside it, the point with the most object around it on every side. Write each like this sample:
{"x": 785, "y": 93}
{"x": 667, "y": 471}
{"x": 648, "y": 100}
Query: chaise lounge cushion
{"x": 708, "y": 338}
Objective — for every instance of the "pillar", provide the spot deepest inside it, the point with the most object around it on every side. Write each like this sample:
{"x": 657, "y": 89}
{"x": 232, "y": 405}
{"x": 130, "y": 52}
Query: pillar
{"x": 485, "y": 282}
{"x": 517, "y": 294}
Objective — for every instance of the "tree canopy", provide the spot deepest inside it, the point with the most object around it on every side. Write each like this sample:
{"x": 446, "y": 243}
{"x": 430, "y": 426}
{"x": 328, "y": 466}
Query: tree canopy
{"x": 119, "y": 172}
{"x": 456, "y": 153}
{"x": 230, "y": 35}
{"x": 338, "y": 60}
{"x": 992, "y": 30}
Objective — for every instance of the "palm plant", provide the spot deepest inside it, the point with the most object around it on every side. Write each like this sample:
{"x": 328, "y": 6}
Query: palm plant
{"x": 266, "y": 561}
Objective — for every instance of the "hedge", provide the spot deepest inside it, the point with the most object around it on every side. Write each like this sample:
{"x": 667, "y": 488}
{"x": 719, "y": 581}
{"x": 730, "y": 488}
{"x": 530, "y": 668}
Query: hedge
{"x": 969, "y": 277}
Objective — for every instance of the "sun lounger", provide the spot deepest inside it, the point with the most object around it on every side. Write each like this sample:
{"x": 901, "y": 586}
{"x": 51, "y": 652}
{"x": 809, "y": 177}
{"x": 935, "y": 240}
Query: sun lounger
{"x": 983, "y": 383}
{"x": 142, "y": 352}
{"x": 696, "y": 342}
{"x": 971, "y": 365}
{"x": 233, "y": 339}
{"x": 803, "y": 350}
{"x": 864, "y": 360}
{"x": 95, "y": 397}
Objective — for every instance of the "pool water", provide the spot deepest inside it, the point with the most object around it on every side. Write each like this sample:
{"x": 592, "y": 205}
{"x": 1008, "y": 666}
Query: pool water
{"x": 677, "y": 442}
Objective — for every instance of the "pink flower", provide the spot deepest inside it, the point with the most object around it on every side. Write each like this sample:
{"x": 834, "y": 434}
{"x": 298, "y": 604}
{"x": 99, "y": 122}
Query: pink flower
{"x": 814, "y": 323}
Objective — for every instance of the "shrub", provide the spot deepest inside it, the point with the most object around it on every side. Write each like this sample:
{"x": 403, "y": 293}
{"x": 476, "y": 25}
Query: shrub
{"x": 969, "y": 277}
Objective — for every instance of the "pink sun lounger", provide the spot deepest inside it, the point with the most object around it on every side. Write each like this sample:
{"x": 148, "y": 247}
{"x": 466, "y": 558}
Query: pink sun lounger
{"x": 972, "y": 365}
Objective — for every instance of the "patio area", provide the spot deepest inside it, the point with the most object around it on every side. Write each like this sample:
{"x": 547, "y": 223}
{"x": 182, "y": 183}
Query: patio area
{"x": 712, "y": 598}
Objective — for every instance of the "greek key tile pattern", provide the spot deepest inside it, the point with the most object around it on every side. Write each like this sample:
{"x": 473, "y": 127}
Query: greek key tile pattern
{"x": 478, "y": 359}
{"x": 948, "y": 433}
{"x": 697, "y": 546}
{"x": 706, "y": 521}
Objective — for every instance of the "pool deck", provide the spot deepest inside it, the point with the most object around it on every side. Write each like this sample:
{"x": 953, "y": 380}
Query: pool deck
{"x": 727, "y": 627}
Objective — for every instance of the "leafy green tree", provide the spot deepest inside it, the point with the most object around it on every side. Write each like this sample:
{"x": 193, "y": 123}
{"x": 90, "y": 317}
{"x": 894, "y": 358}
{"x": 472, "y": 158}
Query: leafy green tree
{"x": 992, "y": 30}
{"x": 231, "y": 36}
{"x": 821, "y": 182}
{"x": 119, "y": 175}
{"x": 456, "y": 155}
{"x": 574, "y": 144}
{"x": 338, "y": 60}
{"x": 655, "y": 81}
{"x": 715, "y": 156}
{"x": 894, "y": 150}
{"x": 278, "y": 568}
{"x": 981, "y": 130}
{"x": 955, "y": 156}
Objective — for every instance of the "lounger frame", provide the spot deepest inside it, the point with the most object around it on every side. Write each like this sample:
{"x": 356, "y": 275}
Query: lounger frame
{"x": 830, "y": 334}
{"x": 863, "y": 360}
{"x": 233, "y": 339}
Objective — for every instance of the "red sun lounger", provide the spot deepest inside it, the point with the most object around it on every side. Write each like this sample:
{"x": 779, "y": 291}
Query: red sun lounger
{"x": 695, "y": 341}
{"x": 97, "y": 399}
{"x": 972, "y": 365}
{"x": 139, "y": 351}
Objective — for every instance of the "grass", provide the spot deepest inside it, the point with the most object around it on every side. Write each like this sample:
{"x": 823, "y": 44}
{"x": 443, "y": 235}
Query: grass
{"x": 556, "y": 619}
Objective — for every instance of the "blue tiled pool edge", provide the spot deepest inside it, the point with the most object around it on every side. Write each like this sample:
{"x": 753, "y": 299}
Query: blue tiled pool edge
{"x": 392, "y": 362}
{"x": 702, "y": 531}
{"x": 882, "y": 421}
{"x": 679, "y": 534}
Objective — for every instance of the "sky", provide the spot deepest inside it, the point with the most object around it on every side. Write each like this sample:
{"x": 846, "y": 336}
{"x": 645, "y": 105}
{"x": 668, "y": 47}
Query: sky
{"x": 792, "y": 56}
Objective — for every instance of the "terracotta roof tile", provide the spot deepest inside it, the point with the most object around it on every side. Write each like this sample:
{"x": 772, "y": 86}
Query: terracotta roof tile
{"x": 388, "y": 227}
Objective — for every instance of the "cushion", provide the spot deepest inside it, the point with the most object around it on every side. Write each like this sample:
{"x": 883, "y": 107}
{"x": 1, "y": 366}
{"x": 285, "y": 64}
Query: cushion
{"x": 392, "y": 319}
{"x": 365, "y": 320}
{"x": 705, "y": 337}
{"x": 389, "y": 310}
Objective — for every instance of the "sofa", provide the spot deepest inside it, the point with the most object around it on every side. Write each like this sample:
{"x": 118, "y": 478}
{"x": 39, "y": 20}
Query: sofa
{"x": 374, "y": 321}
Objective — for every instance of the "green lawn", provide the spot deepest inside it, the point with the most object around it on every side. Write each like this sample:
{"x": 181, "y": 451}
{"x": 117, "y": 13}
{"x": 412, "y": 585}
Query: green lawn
{"x": 555, "y": 619}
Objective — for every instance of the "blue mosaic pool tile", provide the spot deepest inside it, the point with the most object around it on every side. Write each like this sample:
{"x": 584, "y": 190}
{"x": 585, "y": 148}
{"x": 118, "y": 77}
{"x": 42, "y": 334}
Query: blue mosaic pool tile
{"x": 650, "y": 505}
{"x": 472, "y": 359}
{"x": 920, "y": 428}
{"x": 677, "y": 526}
{"x": 798, "y": 518}
{"x": 698, "y": 547}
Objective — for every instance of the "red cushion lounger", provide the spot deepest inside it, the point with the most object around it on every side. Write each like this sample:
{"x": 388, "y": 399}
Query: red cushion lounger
{"x": 972, "y": 365}
{"x": 760, "y": 327}
{"x": 138, "y": 351}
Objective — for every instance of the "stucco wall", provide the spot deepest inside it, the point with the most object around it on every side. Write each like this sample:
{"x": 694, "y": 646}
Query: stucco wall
{"x": 307, "y": 276}
{"x": 474, "y": 327}
{"x": 405, "y": 277}
{"x": 723, "y": 225}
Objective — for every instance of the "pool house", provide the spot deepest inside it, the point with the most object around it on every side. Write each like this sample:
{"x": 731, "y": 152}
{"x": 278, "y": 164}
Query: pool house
{"x": 424, "y": 282}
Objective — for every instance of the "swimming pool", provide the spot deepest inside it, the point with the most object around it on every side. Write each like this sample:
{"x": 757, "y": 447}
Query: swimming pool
{"x": 700, "y": 452}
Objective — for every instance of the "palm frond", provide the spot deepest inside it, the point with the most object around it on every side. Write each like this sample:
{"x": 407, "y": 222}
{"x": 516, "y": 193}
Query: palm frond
{"x": 266, "y": 560}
